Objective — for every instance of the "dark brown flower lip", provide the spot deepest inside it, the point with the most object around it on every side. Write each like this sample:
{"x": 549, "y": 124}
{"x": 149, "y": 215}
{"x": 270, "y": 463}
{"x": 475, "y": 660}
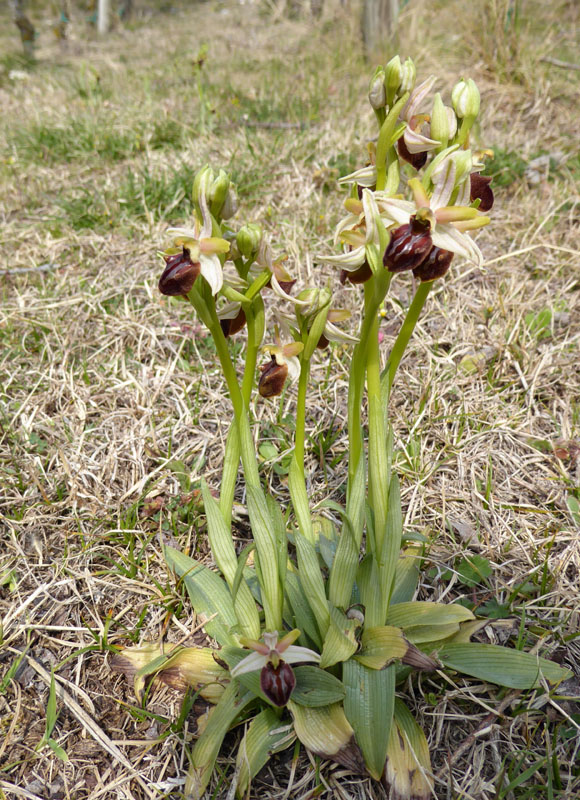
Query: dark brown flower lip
{"x": 481, "y": 190}
{"x": 278, "y": 683}
{"x": 409, "y": 245}
{"x": 360, "y": 275}
{"x": 416, "y": 160}
{"x": 272, "y": 379}
{"x": 179, "y": 275}
{"x": 233, "y": 326}
{"x": 435, "y": 265}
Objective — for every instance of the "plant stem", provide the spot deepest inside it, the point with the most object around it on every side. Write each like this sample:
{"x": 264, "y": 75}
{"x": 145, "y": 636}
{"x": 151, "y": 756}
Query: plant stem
{"x": 378, "y": 475}
{"x": 407, "y": 328}
{"x": 301, "y": 412}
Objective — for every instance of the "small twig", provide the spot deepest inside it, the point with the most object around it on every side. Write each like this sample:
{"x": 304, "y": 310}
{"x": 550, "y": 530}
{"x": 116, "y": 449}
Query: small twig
{"x": 557, "y": 63}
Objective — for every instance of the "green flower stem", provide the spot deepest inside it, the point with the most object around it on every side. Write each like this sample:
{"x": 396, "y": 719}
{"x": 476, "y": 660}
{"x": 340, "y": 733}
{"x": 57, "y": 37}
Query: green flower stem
{"x": 204, "y": 304}
{"x": 301, "y": 412}
{"x": 377, "y": 455}
{"x": 407, "y": 328}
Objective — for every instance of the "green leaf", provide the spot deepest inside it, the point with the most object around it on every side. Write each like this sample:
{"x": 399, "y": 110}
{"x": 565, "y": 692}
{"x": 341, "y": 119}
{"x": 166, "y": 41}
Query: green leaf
{"x": 51, "y": 712}
{"x": 408, "y": 762}
{"x": 300, "y": 500}
{"x": 340, "y": 642}
{"x": 391, "y": 541}
{"x": 312, "y": 583}
{"x": 344, "y": 566}
{"x": 371, "y": 595}
{"x": 406, "y": 577}
{"x": 265, "y": 735}
{"x": 224, "y": 553}
{"x": 369, "y": 703}
{"x": 315, "y": 687}
{"x": 512, "y": 668}
{"x": 382, "y": 645}
{"x": 304, "y": 618}
{"x": 419, "y": 613}
{"x": 326, "y": 732}
{"x": 57, "y": 750}
{"x": 207, "y": 747}
{"x": 264, "y": 533}
{"x": 473, "y": 570}
{"x": 230, "y": 472}
{"x": 208, "y": 593}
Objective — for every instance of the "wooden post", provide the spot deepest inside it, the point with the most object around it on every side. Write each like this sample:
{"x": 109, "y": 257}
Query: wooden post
{"x": 24, "y": 25}
{"x": 378, "y": 22}
{"x": 103, "y": 17}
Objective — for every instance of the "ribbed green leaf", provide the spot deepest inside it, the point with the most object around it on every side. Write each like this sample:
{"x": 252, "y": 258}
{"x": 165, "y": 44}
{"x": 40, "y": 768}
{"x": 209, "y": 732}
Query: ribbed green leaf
{"x": 265, "y": 735}
{"x": 207, "y": 747}
{"x": 500, "y": 665}
{"x": 263, "y": 531}
{"x": 279, "y": 529}
{"x": 326, "y": 732}
{"x": 304, "y": 618}
{"x": 315, "y": 687}
{"x": 369, "y": 703}
{"x": 344, "y": 566}
{"x": 419, "y": 613}
{"x": 406, "y": 577}
{"x": 371, "y": 595}
{"x": 230, "y": 472}
{"x": 340, "y": 641}
{"x": 300, "y": 499}
{"x": 209, "y": 595}
{"x": 382, "y": 645}
{"x": 423, "y": 634}
{"x": 224, "y": 553}
{"x": 408, "y": 762}
{"x": 311, "y": 580}
{"x": 391, "y": 541}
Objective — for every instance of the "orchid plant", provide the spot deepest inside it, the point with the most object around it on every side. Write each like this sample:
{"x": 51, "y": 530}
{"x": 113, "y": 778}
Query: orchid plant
{"x": 314, "y": 624}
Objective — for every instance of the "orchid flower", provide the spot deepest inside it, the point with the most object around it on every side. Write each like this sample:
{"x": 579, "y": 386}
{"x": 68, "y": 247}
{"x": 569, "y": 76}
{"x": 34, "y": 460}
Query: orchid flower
{"x": 277, "y": 679}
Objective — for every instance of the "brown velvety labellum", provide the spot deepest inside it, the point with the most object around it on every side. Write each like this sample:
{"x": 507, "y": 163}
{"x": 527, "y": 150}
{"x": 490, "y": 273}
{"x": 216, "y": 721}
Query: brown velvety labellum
{"x": 416, "y": 160}
{"x": 410, "y": 244}
{"x": 360, "y": 275}
{"x": 272, "y": 378}
{"x": 232, "y": 326}
{"x": 322, "y": 343}
{"x": 277, "y": 683}
{"x": 435, "y": 265}
{"x": 179, "y": 275}
{"x": 481, "y": 190}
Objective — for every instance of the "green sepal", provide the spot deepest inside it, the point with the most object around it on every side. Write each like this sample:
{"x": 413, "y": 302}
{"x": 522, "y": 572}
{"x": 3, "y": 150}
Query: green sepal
{"x": 505, "y": 667}
{"x": 369, "y": 704}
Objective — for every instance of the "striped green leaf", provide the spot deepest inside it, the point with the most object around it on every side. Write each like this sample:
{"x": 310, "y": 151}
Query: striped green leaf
{"x": 512, "y": 668}
{"x": 420, "y": 613}
{"x": 369, "y": 703}
{"x": 209, "y": 595}
{"x": 315, "y": 687}
{"x": 340, "y": 642}
{"x": 265, "y": 735}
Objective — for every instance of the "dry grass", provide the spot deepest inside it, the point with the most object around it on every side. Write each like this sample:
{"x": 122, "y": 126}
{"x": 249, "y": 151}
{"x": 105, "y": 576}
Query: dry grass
{"x": 109, "y": 394}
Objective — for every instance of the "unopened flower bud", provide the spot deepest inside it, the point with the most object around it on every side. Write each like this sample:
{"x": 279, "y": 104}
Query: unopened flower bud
{"x": 179, "y": 275}
{"x": 481, "y": 190}
{"x": 465, "y": 99}
{"x": 434, "y": 266}
{"x": 272, "y": 378}
{"x": 393, "y": 77}
{"x": 408, "y": 76}
{"x": 249, "y": 238}
{"x": 377, "y": 92}
{"x": 230, "y": 205}
{"x": 218, "y": 191}
{"x": 409, "y": 246}
{"x": 277, "y": 683}
{"x": 440, "y": 122}
{"x": 202, "y": 183}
